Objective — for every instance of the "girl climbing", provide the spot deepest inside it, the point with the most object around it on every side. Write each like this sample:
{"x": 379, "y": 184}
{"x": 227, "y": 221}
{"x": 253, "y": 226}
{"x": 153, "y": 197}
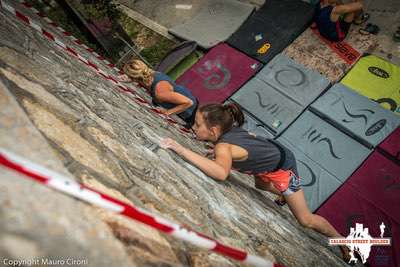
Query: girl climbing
{"x": 273, "y": 165}
{"x": 175, "y": 99}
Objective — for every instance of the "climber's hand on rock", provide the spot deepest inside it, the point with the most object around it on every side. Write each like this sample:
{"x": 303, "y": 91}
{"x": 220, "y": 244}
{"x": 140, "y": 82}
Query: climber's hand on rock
{"x": 209, "y": 145}
{"x": 164, "y": 111}
{"x": 124, "y": 78}
{"x": 210, "y": 153}
{"x": 167, "y": 112}
{"x": 168, "y": 143}
{"x": 161, "y": 110}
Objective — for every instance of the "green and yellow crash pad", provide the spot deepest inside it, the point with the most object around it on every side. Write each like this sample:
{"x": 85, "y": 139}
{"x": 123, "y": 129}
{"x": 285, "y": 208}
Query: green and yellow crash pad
{"x": 184, "y": 65}
{"x": 376, "y": 79}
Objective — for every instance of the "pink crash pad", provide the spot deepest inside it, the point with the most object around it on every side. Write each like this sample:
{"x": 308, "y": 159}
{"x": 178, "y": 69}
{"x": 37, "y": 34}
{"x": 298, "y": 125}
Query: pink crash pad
{"x": 218, "y": 74}
{"x": 392, "y": 144}
{"x": 347, "y": 207}
{"x": 370, "y": 196}
{"x": 378, "y": 180}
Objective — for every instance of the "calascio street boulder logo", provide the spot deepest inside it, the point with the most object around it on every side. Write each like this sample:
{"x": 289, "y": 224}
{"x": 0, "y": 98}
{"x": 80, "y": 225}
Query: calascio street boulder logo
{"x": 359, "y": 241}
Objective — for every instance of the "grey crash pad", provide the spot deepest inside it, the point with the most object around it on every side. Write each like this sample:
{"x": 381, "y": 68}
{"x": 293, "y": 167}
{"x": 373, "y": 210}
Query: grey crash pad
{"x": 256, "y": 127}
{"x": 339, "y": 154}
{"x": 252, "y": 125}
{"x": 214, "y": 23}
{"x": 318, "y": 184}
{"x": 356, "y": 114}
{"x": 267, "y": 104}
{"x": 295, "y": 81}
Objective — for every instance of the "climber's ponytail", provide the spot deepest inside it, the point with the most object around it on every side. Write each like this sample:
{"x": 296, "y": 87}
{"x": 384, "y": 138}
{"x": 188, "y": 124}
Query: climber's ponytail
{"x": 236, "y": 112}
{"x": 226, "y": 116}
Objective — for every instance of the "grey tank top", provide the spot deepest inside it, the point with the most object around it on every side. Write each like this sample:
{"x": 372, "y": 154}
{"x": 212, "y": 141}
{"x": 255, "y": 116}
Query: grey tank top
{"x": 263, "y": 154}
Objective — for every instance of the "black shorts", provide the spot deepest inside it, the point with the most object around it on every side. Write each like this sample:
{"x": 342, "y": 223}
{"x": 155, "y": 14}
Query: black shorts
{"x": 344, "y": 27}
{"x": 334, "y": 31}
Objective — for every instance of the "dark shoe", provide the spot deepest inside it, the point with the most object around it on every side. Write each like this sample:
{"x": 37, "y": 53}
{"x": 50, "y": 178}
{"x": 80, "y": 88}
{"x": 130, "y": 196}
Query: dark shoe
{"x": 280, "y": 201}
{"x": 369, "y": 29}
{"x": 361, "y": 19}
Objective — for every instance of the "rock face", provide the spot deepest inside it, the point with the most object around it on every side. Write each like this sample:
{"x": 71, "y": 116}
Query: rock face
{"x": 58, "y": 112}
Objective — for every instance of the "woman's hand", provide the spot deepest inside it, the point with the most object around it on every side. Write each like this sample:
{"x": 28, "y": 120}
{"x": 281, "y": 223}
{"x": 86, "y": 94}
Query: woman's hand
{"x": 167, "y": 112}
{"x": 161, "y": 110}
{"x": 210, "y": 153}
{"x": 124, "y": 78}
{"x": 168, "y": 143}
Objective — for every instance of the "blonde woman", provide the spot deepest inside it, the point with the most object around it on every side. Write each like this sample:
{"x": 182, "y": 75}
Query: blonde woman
{"x": 174, "y": 98}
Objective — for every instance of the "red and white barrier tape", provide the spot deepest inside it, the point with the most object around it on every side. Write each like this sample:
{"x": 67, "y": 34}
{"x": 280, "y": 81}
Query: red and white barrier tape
{"x": 73, "y": 38}
{"x": 64, "y": 184}
{"x": 38, "y": 27}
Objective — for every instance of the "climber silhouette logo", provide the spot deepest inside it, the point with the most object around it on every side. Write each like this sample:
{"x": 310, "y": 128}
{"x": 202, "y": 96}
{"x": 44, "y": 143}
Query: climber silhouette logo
{"x": 360, "y": 242}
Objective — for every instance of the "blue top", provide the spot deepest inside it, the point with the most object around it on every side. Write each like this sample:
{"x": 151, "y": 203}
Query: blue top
{"x": 264, "y": 155}
{"x": 186, "y": 114}
{"x": 327, "y": 28}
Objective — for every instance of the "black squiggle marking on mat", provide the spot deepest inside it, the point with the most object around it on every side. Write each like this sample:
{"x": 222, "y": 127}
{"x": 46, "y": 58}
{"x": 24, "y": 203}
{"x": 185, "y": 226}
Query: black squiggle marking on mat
{"x": 330, "y": 146}
{"x": 313, "y": 176}
{"x": 303, "y": 78}
{"x": 311, "y": 134}
{"x": 356, "y": 116}
{"x": 260, "y": 100}
{"x": 367, "y": 110}
{"x": 306, "y": 132}
{"x": 315, "y": 138}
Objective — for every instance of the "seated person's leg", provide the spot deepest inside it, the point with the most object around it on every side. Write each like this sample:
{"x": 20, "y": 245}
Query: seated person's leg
{"x": 349, "y": 17}
{"x": 346, "y": 21}
{"x": 339, "y": 10}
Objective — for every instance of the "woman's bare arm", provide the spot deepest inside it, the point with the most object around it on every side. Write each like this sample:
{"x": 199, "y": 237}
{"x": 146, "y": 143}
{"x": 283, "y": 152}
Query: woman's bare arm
{"x": 218, "y": 169}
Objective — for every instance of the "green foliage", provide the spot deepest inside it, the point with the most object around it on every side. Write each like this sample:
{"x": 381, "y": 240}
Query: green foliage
{"x": 131, "y": 27}
{"x": 155, "y": 46}
{"x": 97, "y": 9}
{"x": 154, "y": 54}
{"x": 57, "y": 15}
